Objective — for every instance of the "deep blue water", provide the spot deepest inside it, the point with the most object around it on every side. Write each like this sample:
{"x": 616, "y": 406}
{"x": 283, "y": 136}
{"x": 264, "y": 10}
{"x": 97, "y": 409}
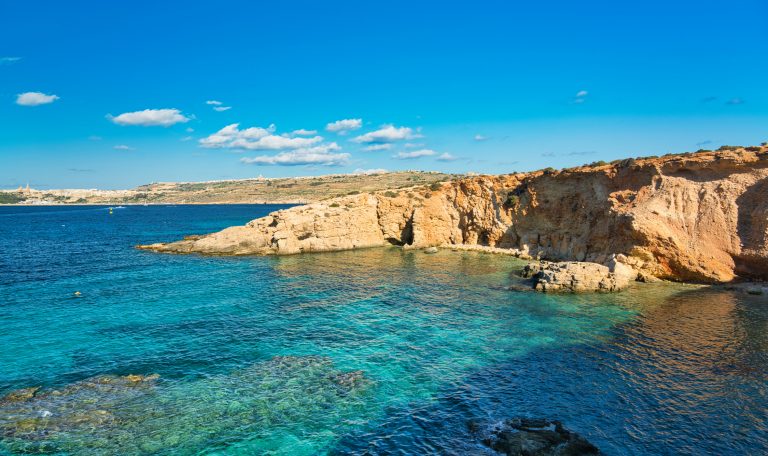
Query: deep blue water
{"x": 379, "y": 351}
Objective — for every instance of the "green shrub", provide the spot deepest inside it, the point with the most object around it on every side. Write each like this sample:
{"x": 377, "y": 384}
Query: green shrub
{"x": 512, "y": 200}
{"x": 598, "y": 163}
{"x": 10, "y": 198}
{"x": 627, "y": 162}
{"x": 390, "y": 194}
{"x": 729, "y": 148}
{"x": 753, "y": 148}
{"x": 334, "y": 205}
{"x": 435, "y": 186}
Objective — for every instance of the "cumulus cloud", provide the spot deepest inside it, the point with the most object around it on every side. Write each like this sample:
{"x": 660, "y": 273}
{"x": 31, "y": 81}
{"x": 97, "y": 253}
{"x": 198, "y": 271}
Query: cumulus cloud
{"x": 480, "y": 138}
{"x": 414, "y": 154}
{"x": 295, "y": 148}
{"x": 214, "y": 102}
{"x": 387, "y": 133}
{"x": 34, "y": 99}
{"x": 273, "y": 142}
{"x": 222, "y": 108}
{"x": 368, "y": 172}
{"x": 303, "y": 132}
{"x": 323, "y": 154}
{"x": 344, "y": 125}
{"x": 123, "y": 147}
{"x": 9, "y": 60}
{"x": 446, "y": 157}
{"x": 150, "y": 118}
{"x": 375, "y": 147}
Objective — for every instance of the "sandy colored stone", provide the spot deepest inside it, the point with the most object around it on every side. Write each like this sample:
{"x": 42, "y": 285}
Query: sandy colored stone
{"x": 692, "y": 217}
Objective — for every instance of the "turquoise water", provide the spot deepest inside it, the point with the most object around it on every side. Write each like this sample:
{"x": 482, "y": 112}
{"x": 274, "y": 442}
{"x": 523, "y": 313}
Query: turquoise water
{"x": 380, "y": 351}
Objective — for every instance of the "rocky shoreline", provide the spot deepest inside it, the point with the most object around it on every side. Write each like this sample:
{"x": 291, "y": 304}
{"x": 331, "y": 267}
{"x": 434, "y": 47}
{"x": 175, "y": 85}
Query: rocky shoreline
{"x": 700, "y": 217}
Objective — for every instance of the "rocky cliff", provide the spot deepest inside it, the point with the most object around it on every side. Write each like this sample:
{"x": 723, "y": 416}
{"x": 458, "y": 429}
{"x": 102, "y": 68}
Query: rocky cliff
{"x": 694, "y": 217}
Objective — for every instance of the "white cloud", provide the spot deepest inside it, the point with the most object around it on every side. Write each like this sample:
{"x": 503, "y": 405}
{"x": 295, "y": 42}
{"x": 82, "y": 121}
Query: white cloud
{"x": 345, "y": 125}
{"x": 150, "y": 118}
{"x": 123, "y": 147}
{"x": 256, "y": 138}
{"x": 387, "y": 133}
{"x": 368, "y": 172}
{"x": 34, "y": 99}
{"x": 187, "y": 138}
{"x": 413, "y": 145}
{"x": 323, "y": 154}
{"x": 581, "y": 97}
{"x": 414, "y": 154}
{"x": 446, "y": 157}
{"x": 214, "y": 102}
{"x": 189, "y": 129}
{"x": 273, "y": 142}
{"x": 480, "y": 138}
{"x": 9, "y": 60}
{"x": 222, "y": 108}
{"x": 374, "y": 147}
{"x": 303, "y": 132}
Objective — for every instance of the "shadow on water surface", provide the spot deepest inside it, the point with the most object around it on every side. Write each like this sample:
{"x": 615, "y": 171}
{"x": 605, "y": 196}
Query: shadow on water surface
{"x": 687, "y": 376}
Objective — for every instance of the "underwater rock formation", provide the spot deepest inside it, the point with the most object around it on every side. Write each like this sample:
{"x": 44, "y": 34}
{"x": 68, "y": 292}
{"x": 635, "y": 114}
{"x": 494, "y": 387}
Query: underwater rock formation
{"x": 537, "y": 437}
{"x": 137, "y": 414}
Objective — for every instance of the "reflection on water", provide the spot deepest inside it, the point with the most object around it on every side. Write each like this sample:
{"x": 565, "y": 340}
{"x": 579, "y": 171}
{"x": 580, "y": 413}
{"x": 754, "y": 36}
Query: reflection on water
{"x": 381, "y": 350}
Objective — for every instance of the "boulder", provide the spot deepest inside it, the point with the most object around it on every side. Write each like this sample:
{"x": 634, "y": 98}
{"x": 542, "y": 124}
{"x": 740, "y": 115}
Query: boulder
{"x": 577, "y": 277}
{"x": 536, "y": 437}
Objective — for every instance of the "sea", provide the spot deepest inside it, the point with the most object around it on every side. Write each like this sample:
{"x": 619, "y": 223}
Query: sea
{"x": 378, "y": 352}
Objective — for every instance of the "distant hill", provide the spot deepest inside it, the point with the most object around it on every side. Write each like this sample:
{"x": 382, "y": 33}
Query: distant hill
{"x": 297, "y": 190}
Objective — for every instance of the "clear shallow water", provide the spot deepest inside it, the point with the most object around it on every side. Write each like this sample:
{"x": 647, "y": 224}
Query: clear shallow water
{"x": 378, "y": 351}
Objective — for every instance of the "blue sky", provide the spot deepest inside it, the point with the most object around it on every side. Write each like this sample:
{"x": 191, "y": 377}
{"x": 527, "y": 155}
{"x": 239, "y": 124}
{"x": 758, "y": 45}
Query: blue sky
{"x": 114, "y": 94}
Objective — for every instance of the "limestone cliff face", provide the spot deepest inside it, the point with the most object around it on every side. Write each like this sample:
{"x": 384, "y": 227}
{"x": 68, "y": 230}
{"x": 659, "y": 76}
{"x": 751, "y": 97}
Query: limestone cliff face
{"x": 697, "y": 217}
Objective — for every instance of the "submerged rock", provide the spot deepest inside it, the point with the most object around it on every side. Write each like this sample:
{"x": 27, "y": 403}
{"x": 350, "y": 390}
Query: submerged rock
{"x": 19, "y": 395}
{"x": 137, "y": 414}
{"x": 536, "y": 437}
{"x": 430, "y": 250}
{"x": 31, "y": 415}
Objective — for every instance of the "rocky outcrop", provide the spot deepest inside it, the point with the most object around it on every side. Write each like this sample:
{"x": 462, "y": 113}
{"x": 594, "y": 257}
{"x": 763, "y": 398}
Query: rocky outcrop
{"x": 577, "y": 277}
{"x": 693, "y": 217}
{"x": 536, "y": 437}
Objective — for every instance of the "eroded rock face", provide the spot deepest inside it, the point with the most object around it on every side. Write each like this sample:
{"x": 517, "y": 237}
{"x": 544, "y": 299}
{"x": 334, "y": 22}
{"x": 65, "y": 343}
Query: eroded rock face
{"x": 537, "y": 437}
{"x": 693, "y": 217}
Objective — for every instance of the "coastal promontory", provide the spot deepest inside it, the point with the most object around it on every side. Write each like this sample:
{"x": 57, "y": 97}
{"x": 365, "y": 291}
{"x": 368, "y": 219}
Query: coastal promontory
{"x": 699, "y": 217}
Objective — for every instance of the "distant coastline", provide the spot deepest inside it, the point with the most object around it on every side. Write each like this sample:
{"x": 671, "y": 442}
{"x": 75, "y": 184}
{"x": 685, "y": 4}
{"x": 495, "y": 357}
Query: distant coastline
{"x": 290, "y": 190}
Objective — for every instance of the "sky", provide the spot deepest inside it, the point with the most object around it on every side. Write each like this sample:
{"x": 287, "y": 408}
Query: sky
{"x": 118, "y": 94}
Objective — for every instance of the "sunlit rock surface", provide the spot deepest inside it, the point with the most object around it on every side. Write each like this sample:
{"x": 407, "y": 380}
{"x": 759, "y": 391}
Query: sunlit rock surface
{"x": 691, "y": 217}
